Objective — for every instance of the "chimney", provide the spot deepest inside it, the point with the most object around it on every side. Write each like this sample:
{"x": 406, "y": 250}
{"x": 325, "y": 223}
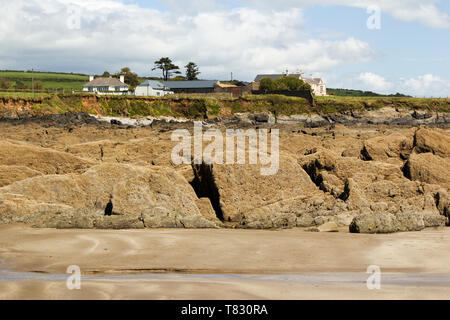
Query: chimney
{"x": 122, "y": 79}
{"x": 91, "y": 78}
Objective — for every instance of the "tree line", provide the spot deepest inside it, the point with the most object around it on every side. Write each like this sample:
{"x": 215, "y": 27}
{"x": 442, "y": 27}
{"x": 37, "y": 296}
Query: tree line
{"x": 168, "y": 68}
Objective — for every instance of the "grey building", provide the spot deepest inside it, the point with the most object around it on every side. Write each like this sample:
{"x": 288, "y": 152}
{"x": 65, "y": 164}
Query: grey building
{"x": 196, "y": 86}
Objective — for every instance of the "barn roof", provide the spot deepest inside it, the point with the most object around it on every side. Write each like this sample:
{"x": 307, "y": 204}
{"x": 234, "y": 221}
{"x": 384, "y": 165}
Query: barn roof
{"x": 196, "y": 84}
{"x": 153, "y": 84}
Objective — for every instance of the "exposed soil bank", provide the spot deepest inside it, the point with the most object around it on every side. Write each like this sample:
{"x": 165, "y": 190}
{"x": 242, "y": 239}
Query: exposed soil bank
{"x": 280, "y": 109}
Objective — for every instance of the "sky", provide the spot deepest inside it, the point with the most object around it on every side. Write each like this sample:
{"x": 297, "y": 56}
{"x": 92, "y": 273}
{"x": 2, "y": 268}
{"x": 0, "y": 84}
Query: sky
{"x": 379, "y": 45}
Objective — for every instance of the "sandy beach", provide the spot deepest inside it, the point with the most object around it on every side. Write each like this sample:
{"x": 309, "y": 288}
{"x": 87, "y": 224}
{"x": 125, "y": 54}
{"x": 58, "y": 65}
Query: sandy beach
{"x": 222, "y": 264}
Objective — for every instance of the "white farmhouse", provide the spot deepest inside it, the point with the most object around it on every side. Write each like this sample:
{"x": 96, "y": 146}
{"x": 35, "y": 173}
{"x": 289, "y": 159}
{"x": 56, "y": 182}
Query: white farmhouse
{"x": 106, "y": 85}
{"x": 152, "y": 88}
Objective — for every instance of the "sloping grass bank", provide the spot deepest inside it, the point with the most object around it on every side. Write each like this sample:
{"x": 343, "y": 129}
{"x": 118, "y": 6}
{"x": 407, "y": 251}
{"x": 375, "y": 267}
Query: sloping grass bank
{"x": 203, "y": 108}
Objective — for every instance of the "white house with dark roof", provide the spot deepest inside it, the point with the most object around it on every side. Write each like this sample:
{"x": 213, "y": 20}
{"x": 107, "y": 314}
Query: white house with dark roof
{"x": 106, "y": 85}
{"x": 152, "y": 88}
{"x": 317, "y": 84}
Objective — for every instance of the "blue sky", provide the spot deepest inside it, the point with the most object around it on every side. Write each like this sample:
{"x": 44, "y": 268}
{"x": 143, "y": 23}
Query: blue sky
{"x": 326, "y": 38}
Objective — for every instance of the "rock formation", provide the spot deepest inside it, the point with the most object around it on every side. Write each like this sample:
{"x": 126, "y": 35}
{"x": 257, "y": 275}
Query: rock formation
{"x": 374, "y": 179}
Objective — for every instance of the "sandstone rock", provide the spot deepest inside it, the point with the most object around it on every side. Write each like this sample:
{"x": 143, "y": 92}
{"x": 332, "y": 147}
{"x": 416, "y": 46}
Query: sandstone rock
{"x": 206, "y": 209}
{"x": 389, "y": 223}
{"x": 164, "y": 218}
{"x": 240, "y": 191}
{"x": 305, "y": 220}
{"x": 434, "y": 220}
{"x": 270, "y": 220}
{"x": 428, "y": 168}
{"x": 135, "y": 190}
{"x": 395, "y": 145}
{"x": 197, "y": 222}
{"x": 46, "y": 161}
{"x": 143, "y": 151}
{"x": 368, "y": 185}
{"x": 434, "y": 141}
{"x": 443, "y": 202}
{"x": 329, "y": 227}
{"x": 322, "y": 178}
{"x": 10, "y": 174}
{"x": 119, "y": 222}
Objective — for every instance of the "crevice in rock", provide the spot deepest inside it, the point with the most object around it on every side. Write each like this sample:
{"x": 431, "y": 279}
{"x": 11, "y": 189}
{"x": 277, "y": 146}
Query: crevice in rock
{"x": 407, "y": 171}
{"x": 442, "y": 208}
{"x": 205, "y": 187}
{"x": 109, "y": 208}
{"x": 313, "y": 172}
{"x": 346, "y": 194}
{"x": 365, "y": 156}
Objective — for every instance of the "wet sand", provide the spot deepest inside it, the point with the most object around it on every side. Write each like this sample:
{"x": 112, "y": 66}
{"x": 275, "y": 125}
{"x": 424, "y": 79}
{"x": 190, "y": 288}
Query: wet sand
{"x": 285, "y": 264}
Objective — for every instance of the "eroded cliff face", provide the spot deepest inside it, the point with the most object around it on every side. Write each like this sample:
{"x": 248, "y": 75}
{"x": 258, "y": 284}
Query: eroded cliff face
{"x": 63, "y": 171}
{"x": 247, "y": 109}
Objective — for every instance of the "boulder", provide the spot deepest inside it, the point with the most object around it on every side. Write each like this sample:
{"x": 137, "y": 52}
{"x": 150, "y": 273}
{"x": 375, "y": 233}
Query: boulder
{"x": 429, "y": 168}
{"x": 432, "y": 140}
{"x": 442, "y": 199}
{"x": 240, "y": 193}
{"x": 381, "y": 223}
{"x": 368, "y": 185}
{"x": 136, "y": 192}
{"x": 384, "y": 222}
{"x": 329, "y": 227}
{"x": 395, "y": 145}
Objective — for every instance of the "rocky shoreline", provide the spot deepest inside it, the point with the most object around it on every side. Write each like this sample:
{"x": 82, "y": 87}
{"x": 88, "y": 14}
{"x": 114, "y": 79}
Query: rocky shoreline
{"x": 386, "y": 171}
{"x": 388, "y": 116}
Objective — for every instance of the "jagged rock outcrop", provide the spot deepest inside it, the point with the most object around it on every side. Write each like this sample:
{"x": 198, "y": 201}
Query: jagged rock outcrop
{"x": 137, "y": 194}
{"x": 395, "y": 145}
{"x": 64, "y": 176}
{"x": 242, "y": 195}
{"x": 429, "y": 168}
{"x": 373, "y": 188}
{"x": 434, "y": 141}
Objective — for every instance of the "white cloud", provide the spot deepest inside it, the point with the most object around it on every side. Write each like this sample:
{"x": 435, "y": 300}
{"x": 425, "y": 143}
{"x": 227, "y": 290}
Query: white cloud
{"x": 427, "y": 85}
{"x": 43, "y": 34}
{"x": 422, "y": 11}
{"x": 374, "y": 82}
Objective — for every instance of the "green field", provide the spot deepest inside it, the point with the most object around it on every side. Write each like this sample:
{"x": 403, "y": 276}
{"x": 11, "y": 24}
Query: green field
{"x": 50, "y": 81}
{"x": 24, "y": 95}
